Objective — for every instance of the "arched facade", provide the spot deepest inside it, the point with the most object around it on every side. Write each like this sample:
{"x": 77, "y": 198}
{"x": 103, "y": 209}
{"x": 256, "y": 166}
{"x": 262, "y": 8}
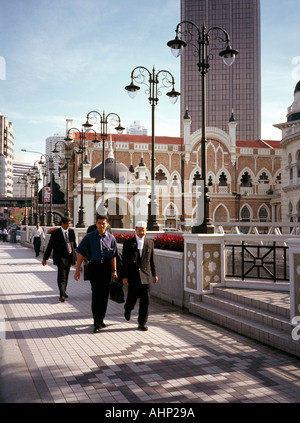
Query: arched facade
{"x": 238, "y": 174}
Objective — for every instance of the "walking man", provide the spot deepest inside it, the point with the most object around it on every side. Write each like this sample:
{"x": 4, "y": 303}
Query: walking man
{"x": 138, "y": 270}
{"x": 99, "y": 247}
{"x": 37, "y": 236}
{"x": 63, "y": 244}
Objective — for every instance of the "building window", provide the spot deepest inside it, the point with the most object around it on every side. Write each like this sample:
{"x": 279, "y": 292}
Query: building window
{"x": 263, "y": 178}
{"x": 278, "y": 179}
{"x": 160, "y": 176}
{"x": 245, "y": 214}
{"x": 223, "y": 180}
{"x": 246, "y": 180}
{"x": 263, "y": 214}
{"x": 197, "y": 177}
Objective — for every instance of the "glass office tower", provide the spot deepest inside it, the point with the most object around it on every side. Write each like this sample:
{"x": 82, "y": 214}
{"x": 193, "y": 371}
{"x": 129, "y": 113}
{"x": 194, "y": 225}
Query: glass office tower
{"x": 237, "y": 87}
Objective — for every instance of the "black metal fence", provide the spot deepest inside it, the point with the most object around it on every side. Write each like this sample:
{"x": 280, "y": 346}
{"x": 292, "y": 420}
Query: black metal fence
{"x": 248, "y": 261}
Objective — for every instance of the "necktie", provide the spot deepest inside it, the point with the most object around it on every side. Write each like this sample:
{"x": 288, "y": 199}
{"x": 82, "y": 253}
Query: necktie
{"x": 69, "y": 248}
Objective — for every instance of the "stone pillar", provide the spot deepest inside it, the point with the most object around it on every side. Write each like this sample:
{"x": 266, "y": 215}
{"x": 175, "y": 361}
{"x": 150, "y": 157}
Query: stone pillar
{"x": 294, "y": 269}
{"x": 204, "y": 263}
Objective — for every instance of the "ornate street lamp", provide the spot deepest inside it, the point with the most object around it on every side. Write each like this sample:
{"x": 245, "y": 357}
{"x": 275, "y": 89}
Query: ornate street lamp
{"x": 24, "y": 181}
{"x": 68, "y": 148}
{"x": 228, "y": 54}
{"x": 45, "y": 159}
{"x": 139, "y": 75}
{"x": 103, "y": 121}
{"x": 81, "y": 150}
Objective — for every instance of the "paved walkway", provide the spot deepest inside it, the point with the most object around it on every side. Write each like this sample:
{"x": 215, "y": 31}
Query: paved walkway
{"x": 48, "y": 353}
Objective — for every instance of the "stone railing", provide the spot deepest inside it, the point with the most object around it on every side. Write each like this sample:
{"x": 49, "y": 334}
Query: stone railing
{"x": 184, "y": 277}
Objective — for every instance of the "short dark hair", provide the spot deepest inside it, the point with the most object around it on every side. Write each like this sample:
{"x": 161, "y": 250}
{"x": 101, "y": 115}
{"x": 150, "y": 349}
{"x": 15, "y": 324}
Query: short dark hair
{"x": 101, "y": 216}
{"x": 65, "y": 219}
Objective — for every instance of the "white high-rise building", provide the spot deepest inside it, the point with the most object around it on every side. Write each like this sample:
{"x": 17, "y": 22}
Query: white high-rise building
{"x": 137, "y": 129}
{"x": 51, "y": 144}
{"x": 6, "y": 157}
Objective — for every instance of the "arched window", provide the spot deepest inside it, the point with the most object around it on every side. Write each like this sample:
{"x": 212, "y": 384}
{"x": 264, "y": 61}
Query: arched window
{"x": 263, "y": 214}
{"x": 221, "y": 214}
{"x": 263, "y": 178}
{"x": 170, "y": 212}
{"x": 223, "y": 180}
{"x": 197, "y": 177}
{"x": 160, "y": 176}
{"x": 175, "y": 181}
{"x": 245, "y": 214}
{"x": 246, "y": 180}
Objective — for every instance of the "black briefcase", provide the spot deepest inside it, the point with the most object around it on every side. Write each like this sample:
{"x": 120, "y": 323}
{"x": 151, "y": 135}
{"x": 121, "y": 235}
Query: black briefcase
{"x": 116, "y": 292}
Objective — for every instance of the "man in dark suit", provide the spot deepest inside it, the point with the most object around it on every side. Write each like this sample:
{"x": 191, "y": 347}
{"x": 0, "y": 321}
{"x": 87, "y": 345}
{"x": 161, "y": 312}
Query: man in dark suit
{"x": 99, "y": 247}
{"x": 138, "y": 271}
{"x": 63, "y": 244}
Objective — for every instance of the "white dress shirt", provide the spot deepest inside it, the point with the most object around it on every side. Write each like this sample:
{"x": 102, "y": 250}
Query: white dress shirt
{"x": 140, "y": 244}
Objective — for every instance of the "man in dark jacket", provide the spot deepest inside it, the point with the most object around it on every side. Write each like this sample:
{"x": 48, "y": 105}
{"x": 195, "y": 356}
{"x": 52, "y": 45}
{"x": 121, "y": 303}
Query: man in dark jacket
{"x": 138, "y": 271}
{"x": 99, "y": 247}
{"x": 63, "y": 244}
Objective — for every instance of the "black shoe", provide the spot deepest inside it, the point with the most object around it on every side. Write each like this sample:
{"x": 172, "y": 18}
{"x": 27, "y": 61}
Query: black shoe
{"x": 127, "y": 314}
{"x": 103, "y": 325}
{"x": 143, "y": 328}
{"x": 97, "y": 329}
{"x": 66, "y": 296}
{"x": 62, "y": 299}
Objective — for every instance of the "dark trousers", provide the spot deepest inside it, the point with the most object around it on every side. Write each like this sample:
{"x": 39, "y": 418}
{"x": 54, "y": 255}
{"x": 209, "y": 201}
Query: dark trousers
{"x": 100, "y": 278}
{"x": 62, "y": 279}
{"x": 138, "y": 291}
{"x": 37, "y": 245}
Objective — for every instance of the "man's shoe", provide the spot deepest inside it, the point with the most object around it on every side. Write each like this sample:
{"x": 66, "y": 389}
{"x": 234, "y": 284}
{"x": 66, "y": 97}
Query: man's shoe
{"x": 143, "y": 328}
{"x": 62, "y": 299}
{"x": 97, "y": 329}
{"x": 103, "y": 325}
{"x": 127, "y": 314}
{"x": 66, "y": 296}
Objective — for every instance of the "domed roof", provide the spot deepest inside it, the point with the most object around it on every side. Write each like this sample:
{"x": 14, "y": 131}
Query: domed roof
{"x": 294, "y": 109}
{"x": 114, "y": 171}
{"x": 297, "y": 88}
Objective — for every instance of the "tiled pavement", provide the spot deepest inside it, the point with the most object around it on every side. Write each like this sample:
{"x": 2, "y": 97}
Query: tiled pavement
{"x": 48, "y": 353}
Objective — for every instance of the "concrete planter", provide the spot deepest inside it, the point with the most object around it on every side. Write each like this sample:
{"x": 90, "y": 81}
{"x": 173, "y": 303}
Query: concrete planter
{"x": 170, "y": 285}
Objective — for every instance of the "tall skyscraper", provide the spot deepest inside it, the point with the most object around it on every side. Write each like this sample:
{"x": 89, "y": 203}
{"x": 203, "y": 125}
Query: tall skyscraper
{"x": 51, "y": 143}
{"x": 6, "y": 157}
{"x": 237, "y": 87}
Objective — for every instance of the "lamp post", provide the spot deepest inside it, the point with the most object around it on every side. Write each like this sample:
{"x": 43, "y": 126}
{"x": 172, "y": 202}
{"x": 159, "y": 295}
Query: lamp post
{"x": 103, "y": 121}
{"x": 203, "y": 41}
{"x": 68, "y": 155}
{"x": 51, "y": 168}
{"x": 81, "y": 150}
{"x": 36, "y": 178}
{"x": 44, "y": 173}
{"x": 25, "y": 183}
{"x": 139, "y": 75}
{"x": 43, "y": 160}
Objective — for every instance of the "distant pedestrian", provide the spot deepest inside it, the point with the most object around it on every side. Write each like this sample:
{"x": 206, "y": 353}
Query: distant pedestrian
{"x": 63, "y": 244}
{"x": 99, "y": 247}
{"x": 37, "y": 236}
{"x": 4, "y": 235}
{"x": 138, "y": 271}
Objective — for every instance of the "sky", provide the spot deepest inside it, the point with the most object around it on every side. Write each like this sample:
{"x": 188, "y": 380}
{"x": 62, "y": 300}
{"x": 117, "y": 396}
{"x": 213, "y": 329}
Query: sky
{"x": 60, "y": 59}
